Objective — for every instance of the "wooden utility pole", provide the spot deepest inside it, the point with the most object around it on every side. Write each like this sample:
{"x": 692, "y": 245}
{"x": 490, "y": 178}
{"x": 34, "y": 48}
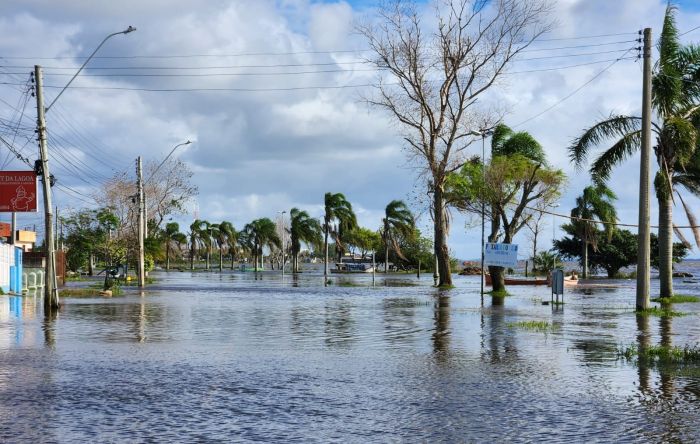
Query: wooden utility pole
{"x": 14, "y": 228}
{"x": 643, "y": 236}
{"x": 139, "y": 184}
{"x": 50, "y": 285}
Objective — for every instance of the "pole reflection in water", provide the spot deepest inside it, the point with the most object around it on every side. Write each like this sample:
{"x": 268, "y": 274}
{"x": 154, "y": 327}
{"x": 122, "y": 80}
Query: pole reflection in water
{"x": 49, "y": 328}
{"x": 441, "y": 314}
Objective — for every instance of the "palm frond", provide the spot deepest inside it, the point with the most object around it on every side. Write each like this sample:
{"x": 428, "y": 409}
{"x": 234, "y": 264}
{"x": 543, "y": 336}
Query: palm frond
{"x": 680, "y": 236}
{"x": 616, "y": 154}
{"x": 615, "y": 126}
{"x": 693, "y": 221}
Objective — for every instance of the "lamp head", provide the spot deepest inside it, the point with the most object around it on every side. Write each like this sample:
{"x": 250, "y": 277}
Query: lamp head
{"x": 129, "y": 29}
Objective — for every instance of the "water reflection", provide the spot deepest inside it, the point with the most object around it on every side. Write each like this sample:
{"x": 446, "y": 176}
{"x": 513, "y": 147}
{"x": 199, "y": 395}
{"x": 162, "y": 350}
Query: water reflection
{"x": 339, "y": 324}
{"x": 643, "y": 342}
{"x": 441, "y": 316}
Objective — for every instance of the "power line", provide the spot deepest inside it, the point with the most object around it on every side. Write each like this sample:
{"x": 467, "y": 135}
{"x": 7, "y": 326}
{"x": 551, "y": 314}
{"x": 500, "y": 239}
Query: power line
{"x": 689, "y": 31}
{"x": 583, "y": 37}
{"x": 580, "y": 46}
{"x": 558, "y": 102}
{"x": 296, "y": 88}
{"x": 617, "y": 224}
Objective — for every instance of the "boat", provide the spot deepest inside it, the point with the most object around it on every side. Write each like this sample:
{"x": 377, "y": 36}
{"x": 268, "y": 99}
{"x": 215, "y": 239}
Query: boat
{"x": 518, "y": 281}
{"x": 352, "y": 267}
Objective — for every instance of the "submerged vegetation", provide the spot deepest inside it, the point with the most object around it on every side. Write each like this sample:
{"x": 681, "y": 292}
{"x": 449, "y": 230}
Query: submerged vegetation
{"x": 541, "y": 326}
{"x": 661, "y": 354}
{"x": 677, "y": 299}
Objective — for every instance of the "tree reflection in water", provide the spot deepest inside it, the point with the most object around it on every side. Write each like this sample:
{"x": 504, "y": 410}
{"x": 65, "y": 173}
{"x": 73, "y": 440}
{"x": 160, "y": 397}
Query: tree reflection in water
{"x": 441, "y": 315}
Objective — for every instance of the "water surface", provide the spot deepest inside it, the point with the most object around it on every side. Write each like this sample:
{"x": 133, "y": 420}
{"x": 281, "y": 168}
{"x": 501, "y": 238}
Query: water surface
{"x": 223, "y": 357}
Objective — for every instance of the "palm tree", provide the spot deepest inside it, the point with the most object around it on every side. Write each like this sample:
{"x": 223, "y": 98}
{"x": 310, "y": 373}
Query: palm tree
{"x": 676, "y": 102}
{"x": 196, "y": 235}
{"x": 336, "y": 208}
{"x": 595, "y": 202}
{"x": 261, "y": 233}
{"x": 303, "y": 228}
{"x": 207, "y": 236}
{"x": 171, "y": 235}
{"x": 397, "y": 220}
{"x": 227, "y": 236}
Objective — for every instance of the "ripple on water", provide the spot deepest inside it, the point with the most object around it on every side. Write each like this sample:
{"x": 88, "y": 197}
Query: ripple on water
{"x": 209, "y": 357}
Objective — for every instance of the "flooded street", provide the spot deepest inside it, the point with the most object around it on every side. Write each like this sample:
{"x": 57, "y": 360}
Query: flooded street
{"x": 221, "y": 357}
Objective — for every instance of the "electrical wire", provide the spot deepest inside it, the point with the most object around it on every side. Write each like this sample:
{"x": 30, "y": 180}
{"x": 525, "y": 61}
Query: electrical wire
{"x": 617, "y": 224}
{"x": 558, "y": 102}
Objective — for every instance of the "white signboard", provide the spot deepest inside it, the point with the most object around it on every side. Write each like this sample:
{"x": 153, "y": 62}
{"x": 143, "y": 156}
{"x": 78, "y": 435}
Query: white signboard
{"x": 501, "y": 255}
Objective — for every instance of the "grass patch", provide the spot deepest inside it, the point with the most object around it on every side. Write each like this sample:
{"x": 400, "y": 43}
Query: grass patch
{"x": 446, "y": 287}
{"x": 542, "y": 326}
{"x": 660, "y": 354}
{"x": 661, "y": 311}
{"x": 677, "y": 299}
{"x": 498, "y": 293}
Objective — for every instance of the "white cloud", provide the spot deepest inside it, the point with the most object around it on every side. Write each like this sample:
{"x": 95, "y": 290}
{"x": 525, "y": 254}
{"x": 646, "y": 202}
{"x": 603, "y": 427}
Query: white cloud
{"x": 260, "y": 152}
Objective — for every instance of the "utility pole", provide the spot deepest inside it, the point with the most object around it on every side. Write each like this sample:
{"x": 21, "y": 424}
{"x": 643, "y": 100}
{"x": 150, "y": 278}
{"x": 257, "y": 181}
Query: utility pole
{"x": 50, "y": 285}
{"x": 56, "y": 229}
{"x": 14, "y": 228}
{"x": 643, "y": 236}
{"x": 139, "y": 184}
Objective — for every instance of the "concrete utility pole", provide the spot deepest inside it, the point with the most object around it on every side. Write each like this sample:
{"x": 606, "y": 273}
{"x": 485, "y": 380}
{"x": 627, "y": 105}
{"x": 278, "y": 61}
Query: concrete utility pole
{"x": 50, "y": 285}
{"x": 14, "y": 228}
{"x": 139, "y": 184}
{"x": 643, "y": 236}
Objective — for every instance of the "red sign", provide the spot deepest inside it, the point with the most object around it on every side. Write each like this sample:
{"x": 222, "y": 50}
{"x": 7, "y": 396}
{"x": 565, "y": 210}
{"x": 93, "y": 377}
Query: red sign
{"x": 17, "y": 191}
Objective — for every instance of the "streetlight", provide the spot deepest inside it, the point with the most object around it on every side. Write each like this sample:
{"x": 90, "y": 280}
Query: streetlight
{"x": 145, "y": 208}
{"x": 484, "y": 134}
{"x": 126, "y": 31}
{"x": 51, "y": 283}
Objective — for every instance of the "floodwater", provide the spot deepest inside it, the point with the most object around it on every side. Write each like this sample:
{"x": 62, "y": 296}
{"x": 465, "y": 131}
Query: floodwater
{"x": 207, "y": 357}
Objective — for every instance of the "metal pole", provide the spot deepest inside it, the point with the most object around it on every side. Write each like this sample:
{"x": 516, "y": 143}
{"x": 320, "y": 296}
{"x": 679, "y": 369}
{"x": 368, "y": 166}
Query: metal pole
{"x": 643, "y": 239}
{"x": 50, "y": 287}
{"x": 139, "y": 183}
{"x": 483, "y": 210}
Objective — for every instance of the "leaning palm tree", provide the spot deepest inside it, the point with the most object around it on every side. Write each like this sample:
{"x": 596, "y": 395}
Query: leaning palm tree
{"x": 303, "y": 228}
{"x": 676, "y": 102}
{"x": 196, "y": 233}
{"x": 262, "y": 233}
{"x": 206, "y": 237}
{"x": 596, "y": 202}
{"x": 397, "y": 221}
{"x": 336, "y": 208}
{"x": 171, "y": 235}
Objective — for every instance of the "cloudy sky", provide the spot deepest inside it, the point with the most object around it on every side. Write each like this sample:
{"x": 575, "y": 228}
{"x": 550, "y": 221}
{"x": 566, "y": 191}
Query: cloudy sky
{"x": 250, "y": 82}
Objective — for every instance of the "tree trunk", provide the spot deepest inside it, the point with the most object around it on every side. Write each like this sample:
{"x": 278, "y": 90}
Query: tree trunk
{"x": 91, "y": 265}
{"x": 386, "y": 254}
{"x": 498, "y": 279}
{"x": 221, "y": 259}
{"x": 325, "y": 257}
{"x": 167, "y": 255}
{"x": 665, "y": 247}
{"x": 584, "y": 258}
{"x": 232, "y": 262}
{"x": 442, "y": 252}
{"x": 192, "y": 257}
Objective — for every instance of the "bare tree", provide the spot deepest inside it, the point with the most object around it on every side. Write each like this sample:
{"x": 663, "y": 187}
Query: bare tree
{"x": 434, "y": 80}
{"x": 534, "y": 224}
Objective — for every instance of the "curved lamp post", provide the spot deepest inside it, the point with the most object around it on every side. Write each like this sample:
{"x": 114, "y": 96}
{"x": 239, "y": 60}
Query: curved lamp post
{"x": 51, "y": 283}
